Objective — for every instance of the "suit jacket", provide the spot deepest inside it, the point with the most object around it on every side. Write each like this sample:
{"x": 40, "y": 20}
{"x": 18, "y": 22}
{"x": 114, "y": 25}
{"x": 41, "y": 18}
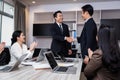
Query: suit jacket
{"x": 88, "y": 37}
{"x": 58, "y": 38}
{"x": 96, "y": 70}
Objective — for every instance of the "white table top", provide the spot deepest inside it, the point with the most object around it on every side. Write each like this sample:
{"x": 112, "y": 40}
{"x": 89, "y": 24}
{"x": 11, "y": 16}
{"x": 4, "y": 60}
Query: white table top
{"x": 29, "y": 73}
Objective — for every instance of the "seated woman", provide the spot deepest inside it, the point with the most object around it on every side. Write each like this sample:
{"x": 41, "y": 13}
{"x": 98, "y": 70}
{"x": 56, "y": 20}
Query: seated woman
{"x": 18, "y": 47}
{"x": 104, "y": 63}
{"x": 4, "y": 56}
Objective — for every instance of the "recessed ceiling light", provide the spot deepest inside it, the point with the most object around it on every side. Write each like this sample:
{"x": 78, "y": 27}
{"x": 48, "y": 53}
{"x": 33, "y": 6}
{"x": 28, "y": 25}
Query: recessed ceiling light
{"x": 74, "y": 0}
{"x": 33, "y": 2}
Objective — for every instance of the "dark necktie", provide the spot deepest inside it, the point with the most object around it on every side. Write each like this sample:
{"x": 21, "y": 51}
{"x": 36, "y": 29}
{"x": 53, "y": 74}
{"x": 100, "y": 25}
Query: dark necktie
{"x": 61, "y": 29}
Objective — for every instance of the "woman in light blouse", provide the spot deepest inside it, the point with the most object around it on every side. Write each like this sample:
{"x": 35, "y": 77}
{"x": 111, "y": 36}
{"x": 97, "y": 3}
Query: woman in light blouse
{"x": 18, "y": 48}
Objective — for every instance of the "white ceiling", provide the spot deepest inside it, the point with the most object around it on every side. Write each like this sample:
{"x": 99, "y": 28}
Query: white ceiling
{"x": 43, "y": 2}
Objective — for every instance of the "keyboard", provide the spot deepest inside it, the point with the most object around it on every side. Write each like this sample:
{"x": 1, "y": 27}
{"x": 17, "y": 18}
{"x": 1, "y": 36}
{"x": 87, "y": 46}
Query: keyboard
{"x": 69, "y": 60}
{"x": 63, "y": 69}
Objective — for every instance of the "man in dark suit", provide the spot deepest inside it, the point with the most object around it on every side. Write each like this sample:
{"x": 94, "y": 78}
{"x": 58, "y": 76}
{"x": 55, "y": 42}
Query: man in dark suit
{"x": 89, "y": 32}
{"x": 61, "y": 40}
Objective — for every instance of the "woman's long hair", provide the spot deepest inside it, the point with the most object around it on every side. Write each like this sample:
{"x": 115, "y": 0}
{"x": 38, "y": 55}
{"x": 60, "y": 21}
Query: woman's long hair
{"x": 15, "y": 35}
{"x": 109, "y": 45}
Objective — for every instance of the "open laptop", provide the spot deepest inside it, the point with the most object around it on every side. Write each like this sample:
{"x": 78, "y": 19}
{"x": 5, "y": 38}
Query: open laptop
{"x": 63, "y": 58}
{"x": 41, "y": 55}
{"x": 39, "y": 58}
{"x": 54, "y": 66}
{"x": 9, "y": 68}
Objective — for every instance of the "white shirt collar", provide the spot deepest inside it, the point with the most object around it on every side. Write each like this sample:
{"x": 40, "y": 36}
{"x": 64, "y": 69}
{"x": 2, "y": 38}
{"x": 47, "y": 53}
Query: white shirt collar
{"x": 87, "y": 19}
{"x": 59, "y": 24}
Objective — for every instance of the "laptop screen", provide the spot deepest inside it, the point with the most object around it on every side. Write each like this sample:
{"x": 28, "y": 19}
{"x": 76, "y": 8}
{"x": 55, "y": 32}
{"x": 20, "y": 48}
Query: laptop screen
{"x": 36, "y": 52}
{"x": 51, "y": 59}
{"x": 41, "y": 55}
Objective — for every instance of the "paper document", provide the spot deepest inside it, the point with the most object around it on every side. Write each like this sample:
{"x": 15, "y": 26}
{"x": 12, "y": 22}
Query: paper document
{"x": 27, "y": 63}
{"x": 40, "y": 65}
{"x": 66, "y": 64}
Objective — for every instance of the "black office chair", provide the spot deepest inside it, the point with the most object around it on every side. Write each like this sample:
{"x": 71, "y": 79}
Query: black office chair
{"x": 5, "y": 57}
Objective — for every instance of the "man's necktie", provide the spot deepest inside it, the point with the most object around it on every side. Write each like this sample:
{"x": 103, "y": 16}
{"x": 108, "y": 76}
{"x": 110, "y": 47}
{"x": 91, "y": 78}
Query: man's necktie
{"x": 61, "y": 29}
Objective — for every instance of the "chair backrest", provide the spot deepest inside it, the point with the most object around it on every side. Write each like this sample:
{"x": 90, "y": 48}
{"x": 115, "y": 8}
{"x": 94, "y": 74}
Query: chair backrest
{"x": 5, "y": 56}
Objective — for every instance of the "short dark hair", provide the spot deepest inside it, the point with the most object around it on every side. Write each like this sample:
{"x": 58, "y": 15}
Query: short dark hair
{"x": 88, "y": 8}
{"x": 55, "y": 14}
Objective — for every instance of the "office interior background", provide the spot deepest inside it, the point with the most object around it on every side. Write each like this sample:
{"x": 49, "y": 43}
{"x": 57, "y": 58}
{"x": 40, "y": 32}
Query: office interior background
{"x": 41, "y": 12}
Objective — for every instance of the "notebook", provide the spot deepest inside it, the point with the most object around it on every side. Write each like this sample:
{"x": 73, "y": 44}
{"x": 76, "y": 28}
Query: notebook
{"x": 15, "y": 66}
{"x": 54, "y": 66}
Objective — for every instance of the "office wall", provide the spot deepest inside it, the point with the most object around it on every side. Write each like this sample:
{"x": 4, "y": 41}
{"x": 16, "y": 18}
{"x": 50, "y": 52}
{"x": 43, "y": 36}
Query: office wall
{"x": 46, "y": 42}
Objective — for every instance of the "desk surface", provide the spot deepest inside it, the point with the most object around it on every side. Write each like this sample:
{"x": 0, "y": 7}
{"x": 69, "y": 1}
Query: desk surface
{"x": 29, "y": 73}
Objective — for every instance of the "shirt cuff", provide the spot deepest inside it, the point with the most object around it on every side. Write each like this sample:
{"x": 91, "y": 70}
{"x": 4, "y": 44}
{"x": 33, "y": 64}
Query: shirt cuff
{"x": 64, "y": 38}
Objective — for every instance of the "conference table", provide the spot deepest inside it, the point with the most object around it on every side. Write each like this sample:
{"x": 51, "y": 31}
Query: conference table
{"x": 29, "y": 73}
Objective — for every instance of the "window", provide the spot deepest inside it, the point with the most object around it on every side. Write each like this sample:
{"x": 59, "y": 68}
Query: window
{"x": 6, "y": 22}
{"x": 8, "y": 9}
{"x": 7, "y": 30}
{"x": 0, "y": 25}
{"x": 0, "y": 16}
{"x": 0, "y": 5}
{"x": 0, "y": 19}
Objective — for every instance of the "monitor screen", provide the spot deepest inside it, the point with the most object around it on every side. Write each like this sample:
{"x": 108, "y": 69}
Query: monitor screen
{"x": 114, "y": 23}
{"x": 42, "y": 29}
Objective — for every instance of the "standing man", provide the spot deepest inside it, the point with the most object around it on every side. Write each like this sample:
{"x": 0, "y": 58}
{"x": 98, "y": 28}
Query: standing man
{"x": 61, "y": 40}
{"x": 88, "y": 36}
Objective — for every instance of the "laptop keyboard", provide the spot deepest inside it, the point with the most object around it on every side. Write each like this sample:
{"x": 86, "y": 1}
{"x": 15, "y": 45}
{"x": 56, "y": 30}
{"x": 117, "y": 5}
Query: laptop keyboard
{"x": 63, "y": 69}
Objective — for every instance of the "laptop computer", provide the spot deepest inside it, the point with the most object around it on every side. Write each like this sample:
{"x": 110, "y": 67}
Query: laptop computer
{"x": 41, "y": 55}
{"x": 15, "y": 66}
{"x": 62, "y": 58}
{"x": 54, "y": 66}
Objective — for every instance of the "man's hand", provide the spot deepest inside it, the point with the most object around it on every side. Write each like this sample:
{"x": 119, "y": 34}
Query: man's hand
{"x": 86, "y": 59}
{"x": 69, "y": 52}
{"x": 69, "y": 39}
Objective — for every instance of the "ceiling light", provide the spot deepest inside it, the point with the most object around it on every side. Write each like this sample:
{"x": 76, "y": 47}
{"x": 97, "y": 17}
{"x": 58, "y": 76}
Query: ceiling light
{"x": 33, "y": 2}
{"x": 74, "y": 0}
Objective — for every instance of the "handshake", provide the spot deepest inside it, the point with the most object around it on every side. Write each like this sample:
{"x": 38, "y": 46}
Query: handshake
{"x": 69, "y": 39}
